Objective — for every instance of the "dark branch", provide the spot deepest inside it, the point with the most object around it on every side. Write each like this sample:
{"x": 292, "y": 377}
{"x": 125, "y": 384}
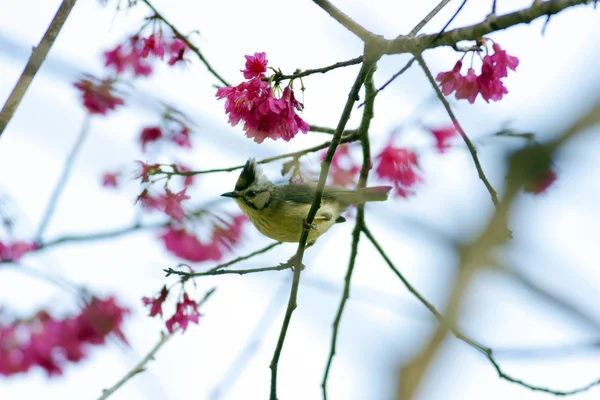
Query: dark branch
{"x": 301, "y": 74}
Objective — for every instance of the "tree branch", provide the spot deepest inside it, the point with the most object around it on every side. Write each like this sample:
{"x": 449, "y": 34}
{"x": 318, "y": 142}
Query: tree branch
{"x": 280, "y": 267}
{"x": 428, "y": 17}
{"x": 37, "y": 58}
{"x": 279, "y": 77}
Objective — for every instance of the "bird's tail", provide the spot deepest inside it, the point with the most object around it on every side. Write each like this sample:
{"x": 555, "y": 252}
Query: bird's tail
{"x": 363, "y": 195}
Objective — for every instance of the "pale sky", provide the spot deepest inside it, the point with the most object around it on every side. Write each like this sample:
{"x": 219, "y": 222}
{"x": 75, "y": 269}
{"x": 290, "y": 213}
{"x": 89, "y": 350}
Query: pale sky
{"x": 556, "y": 234}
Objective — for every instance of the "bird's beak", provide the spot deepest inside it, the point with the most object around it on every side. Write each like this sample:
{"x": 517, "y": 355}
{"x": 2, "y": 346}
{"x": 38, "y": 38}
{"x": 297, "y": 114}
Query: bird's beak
{"x": 233, "y": 195}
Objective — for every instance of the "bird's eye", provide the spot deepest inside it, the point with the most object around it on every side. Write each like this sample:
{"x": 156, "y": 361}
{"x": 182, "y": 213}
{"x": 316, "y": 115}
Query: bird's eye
{"x": 250, "y": 193}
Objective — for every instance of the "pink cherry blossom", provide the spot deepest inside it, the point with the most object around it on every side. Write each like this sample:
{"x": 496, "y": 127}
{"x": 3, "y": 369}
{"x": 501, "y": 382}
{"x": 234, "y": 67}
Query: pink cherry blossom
{"x": 153, "y": 44}
{"x": 398, "y": 165}
{"x": 16, "y": 250}
{"x": 451, "y": 80}
{"x": 490, "y": 85}
{"x": 186, "y": 312}
{"x": 182, "y": 137}
{"x": 177, "y": 49}
{"x": 344, "y": 169}
{"x": 256, "y": 66}
{"x": 110, "y": 179}
{"x": 468, "y": 88}
{"x": 157, "y": 302}
{"x": 98, "y": 98}
{"x": 172, "y": 203}
{"x": 49, "y": 343}
{"x": 150, "y": 134}
{"x": 130, "y": 57}
{"x": 442, "y": 136}
{"x": 187, "y": 246}
{"x": 188, "y": 180}
{"x": 147, "y": 170}
{"x": 503, "y": 61}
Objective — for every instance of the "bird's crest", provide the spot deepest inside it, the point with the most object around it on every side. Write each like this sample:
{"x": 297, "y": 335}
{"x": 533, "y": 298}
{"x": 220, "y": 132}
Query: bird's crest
{"x": 250, "y": 174}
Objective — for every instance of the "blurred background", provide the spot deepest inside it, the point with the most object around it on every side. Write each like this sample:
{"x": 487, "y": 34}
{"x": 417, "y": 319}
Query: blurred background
{"x": 540, "y": 312}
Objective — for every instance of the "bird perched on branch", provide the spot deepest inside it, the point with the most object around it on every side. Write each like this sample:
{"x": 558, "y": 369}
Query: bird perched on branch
{"x": 279, "y": 212}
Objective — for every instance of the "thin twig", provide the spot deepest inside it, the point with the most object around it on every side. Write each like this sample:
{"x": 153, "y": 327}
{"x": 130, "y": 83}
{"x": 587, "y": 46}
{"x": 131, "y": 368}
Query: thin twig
{"x": 58, "y": 189}
{"x": 297, "y": 259}
{"x": 368, "y": 114}
{"x": 280, "y": 267}
{"x": 331, "y": 131}
{"x": 183, "y": 37}
{"x": 466, "y": 139}
{"x": 141, "y": 366}
{"x": 37, "y": 58}
{"x": 243, "y": 258}
{"x": 428, "y": 17}
{"x": 396, "y": 75}
{"x": 301, "y": 74}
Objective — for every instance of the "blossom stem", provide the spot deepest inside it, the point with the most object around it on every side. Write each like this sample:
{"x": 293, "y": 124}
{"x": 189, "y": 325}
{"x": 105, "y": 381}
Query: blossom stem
{"x": 58, "y": 189}
{"x": 37, "y": 58}
{"x": 141, "y": 366}
{"x": 466, "y": 139}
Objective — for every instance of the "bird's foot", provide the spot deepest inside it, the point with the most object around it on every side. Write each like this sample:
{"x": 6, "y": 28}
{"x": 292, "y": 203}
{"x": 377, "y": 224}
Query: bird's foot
{"x": 293, "y": 263}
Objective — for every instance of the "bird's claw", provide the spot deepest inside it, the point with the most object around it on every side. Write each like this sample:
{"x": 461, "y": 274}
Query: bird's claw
{"x": 292, "y": 263}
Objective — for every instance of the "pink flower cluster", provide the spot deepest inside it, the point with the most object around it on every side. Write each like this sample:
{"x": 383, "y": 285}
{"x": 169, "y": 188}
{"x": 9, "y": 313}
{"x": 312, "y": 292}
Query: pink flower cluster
{"x": 442, "y": 136}
{"x": 488, "y": 83}
{"x": 15, "y": 250}
{"x": 398, "y": 166}
{"x": 134, "y": 53}
{"x": 50, "y": 343}
{"x": 111, "y": 179}
{"x": 98, "y": 98}
{"x": 179, "y": 135}
{"x": 187, "y": 246}
{"x": 186, "y": 310}
{"x": 254, "y": 105}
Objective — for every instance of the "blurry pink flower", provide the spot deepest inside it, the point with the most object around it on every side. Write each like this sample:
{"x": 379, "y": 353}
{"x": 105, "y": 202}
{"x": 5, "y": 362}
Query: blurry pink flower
{"x": 150, "y": 202}
{"x": 132, "y": 57}
{"x": 398, "y": 165}
{"x": 172, "y": 203}
{"x": 187, "y": 180}
{"x": 98, "y": 98}
{"x": 186, "y": 312}
{"x": 177, "y": 50}
{"x": 256, "y": 66}
{"x": 110, "y": 179}
{"x": 187, "y": 246}
{"x": 156, "y": 303}
{"x": 230, "y": 234}
{"x": 150, "y": 134}
{"x": 147, "y": 170}
{"x": 153, "y": 44}
{"x": 182, "y": 137}
{"x": 442, "y": 136}
{"x": 490, "y": 85}
{"x": 49, "y": 343}
{"x": 15, "y": 250}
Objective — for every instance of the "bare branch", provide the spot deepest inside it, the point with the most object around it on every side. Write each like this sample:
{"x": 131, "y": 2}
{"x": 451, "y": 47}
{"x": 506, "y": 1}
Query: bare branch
{"x": 280, "y": 267}
{"x": 301, "y": 74}
{"x": 428, "y": 17}
{"x": 37, "y": 58}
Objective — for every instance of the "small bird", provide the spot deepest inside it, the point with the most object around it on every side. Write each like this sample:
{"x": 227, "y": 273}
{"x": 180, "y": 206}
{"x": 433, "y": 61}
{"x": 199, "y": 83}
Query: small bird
{"x": 279, "y": 212}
